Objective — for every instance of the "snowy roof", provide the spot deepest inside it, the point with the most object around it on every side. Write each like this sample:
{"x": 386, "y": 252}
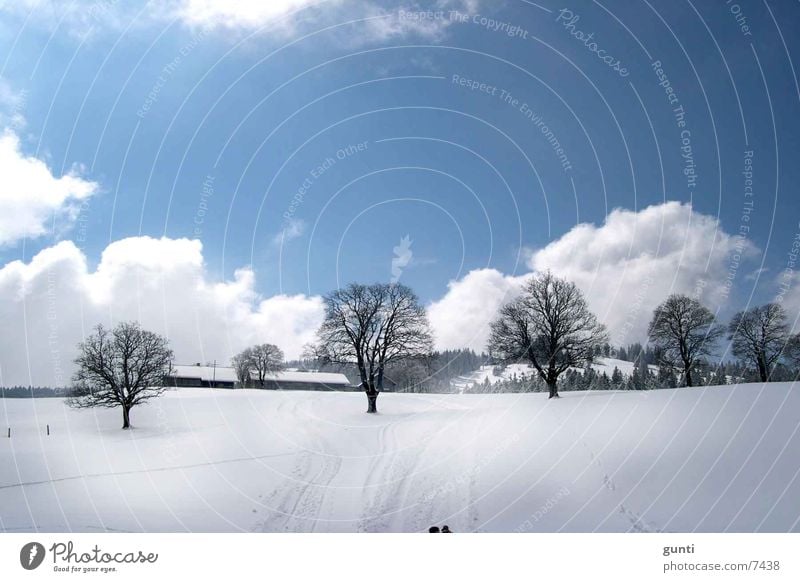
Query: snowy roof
{"x": 226, "y": 374}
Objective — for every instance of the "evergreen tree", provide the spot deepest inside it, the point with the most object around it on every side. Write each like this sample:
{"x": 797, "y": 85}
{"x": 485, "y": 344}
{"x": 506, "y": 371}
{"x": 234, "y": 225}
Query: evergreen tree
{"x": 666, "y": 378}
{"x": 617, "y": 379}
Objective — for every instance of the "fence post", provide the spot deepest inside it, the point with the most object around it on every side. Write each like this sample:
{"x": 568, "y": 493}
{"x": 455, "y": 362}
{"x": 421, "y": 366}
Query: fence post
{"x": 48, "y": 429}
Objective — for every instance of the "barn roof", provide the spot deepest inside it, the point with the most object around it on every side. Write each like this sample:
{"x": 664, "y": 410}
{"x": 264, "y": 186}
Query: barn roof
{"x": 226, "y": 374}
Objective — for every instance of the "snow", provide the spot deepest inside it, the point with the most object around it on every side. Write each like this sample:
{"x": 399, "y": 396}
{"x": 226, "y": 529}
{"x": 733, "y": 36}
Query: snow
{"x": 479, "y": 376}
{"x": 487, "y": 372}
{"x": 693, "y": 459}
{"x": 607, "y": 365}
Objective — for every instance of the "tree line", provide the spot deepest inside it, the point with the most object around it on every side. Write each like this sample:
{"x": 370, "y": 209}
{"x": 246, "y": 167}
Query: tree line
{"x": 381, "y": 329}
{"x": 32, "y": 392}
{"x": 431, "y": 373}
{"x": 550, "y": 327}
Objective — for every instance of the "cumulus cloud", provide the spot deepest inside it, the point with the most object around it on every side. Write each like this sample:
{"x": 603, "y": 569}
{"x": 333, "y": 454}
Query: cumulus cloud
{"x": 49, "y": 303}
{"x": 461, "y": 318}
{"x": 384, "y": 21}
{"x": 625, "y": 267}
{"x": 240, "y": 14}
{"x": 33, "y": 198}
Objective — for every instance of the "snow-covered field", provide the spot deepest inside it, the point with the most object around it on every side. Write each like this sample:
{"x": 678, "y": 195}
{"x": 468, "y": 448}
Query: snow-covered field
{"x": 704, "y": 459}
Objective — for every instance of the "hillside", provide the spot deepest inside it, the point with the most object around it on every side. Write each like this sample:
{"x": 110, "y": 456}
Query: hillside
{"x": 705, "y": 459}
{"x": 600, "y": 365}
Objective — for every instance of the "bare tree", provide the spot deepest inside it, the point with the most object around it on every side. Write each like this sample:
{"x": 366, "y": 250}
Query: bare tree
{"x": 243, "y": 365}
{"x": 792, "y": 349}
{"x": 264, "y": 359}
{"x": 121, "y": 367}
{"x": 372, "y": 326}
{"x": 550, "y": 326}
{"x": 684, "y": 331}
{"x": 759, "y": 336}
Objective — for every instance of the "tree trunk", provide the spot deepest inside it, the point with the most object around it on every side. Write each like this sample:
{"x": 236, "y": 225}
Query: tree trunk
{"x": 126, "y": 417}
{"x": 762, "y": 368}
{"x": 552, "y": 386}
{"x": 687, "y": 372}
{"x": 372, "y": 402}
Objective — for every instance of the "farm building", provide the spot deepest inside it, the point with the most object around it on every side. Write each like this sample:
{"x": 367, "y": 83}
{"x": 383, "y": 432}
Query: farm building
{"x": 224, "y": 377}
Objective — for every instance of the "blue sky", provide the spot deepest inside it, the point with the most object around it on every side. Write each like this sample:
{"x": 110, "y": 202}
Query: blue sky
{"x": 203, "y": 121}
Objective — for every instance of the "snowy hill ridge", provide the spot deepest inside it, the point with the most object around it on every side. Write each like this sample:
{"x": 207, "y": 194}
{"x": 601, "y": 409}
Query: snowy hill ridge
{"x": 484, "y": 373}
{"x": 693, "y": 459}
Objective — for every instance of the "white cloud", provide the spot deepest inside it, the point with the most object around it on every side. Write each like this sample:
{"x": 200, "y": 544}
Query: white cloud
{"x": 50, "y": 302}
{"x": 625, "y": 268}
{"x": 787, "y": 285}
{"x": 292, "y": 229}
{"x": 32, "y": 197}
{"x": 384, "y": 23}
{"x": 246, "y": 14}
{"x": 78, "y": 17}
{"x": 12, "y": 105}
{"x": 461, "y": 318}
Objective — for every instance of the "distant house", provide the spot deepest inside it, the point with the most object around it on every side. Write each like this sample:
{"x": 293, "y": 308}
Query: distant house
{"x": 198, "y": 376}
{"x": 224, "y": 377}
{"x": 389, "y": 385}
